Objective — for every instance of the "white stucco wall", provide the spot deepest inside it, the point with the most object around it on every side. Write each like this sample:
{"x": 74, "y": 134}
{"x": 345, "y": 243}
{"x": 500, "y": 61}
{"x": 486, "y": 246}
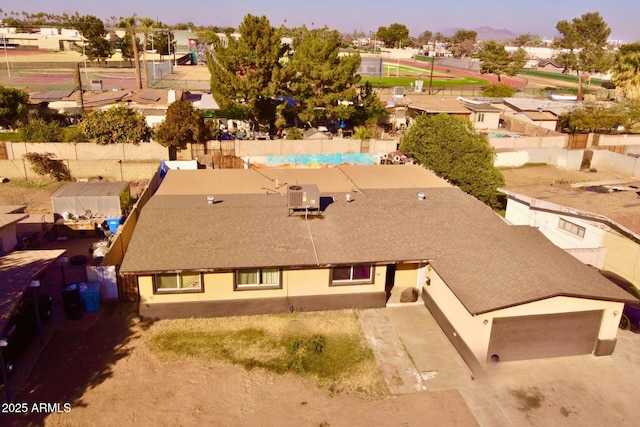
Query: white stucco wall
{"x": 589, "y": 249}
{"x": 563, "y": 159}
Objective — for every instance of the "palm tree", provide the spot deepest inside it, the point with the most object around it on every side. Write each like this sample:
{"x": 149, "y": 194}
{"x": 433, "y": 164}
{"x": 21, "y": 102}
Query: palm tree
{"x": 146, "y": 25}
{"x": 626, "y": 71}
{"x": 130, "y": 25}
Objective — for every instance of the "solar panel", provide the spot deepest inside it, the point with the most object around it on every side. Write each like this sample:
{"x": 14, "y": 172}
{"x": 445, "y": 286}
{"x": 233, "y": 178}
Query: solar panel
{"x": 149, "y": 97}
{"x": 53, "y": 94}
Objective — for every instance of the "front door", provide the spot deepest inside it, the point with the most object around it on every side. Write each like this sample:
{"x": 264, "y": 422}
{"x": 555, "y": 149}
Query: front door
{"x": 390, "y": 279}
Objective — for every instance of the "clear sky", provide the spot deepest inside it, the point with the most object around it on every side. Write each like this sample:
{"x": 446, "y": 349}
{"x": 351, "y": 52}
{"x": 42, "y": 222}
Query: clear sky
{"x": 530, "y": 16}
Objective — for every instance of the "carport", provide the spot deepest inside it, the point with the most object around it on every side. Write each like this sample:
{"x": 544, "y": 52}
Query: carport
{"x": 17, "y": 270}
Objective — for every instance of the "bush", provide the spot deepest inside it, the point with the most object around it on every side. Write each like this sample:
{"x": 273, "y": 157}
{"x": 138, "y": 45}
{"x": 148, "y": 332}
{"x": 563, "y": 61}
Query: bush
{"x": 362, "y": 132}
{"x": 38, "y": 130}
{"x": 498, "y": 90}
{"x": 74, "y": 134}
{"x": 293, "y": 133}
{"x": 45, "y": 164}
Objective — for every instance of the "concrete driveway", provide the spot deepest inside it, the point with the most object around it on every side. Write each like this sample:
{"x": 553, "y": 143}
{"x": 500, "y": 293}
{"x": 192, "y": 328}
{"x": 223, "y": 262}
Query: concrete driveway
{"x": 416, "y": 357}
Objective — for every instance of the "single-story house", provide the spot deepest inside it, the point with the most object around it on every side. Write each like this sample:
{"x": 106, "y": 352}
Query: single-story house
{"x": 599, "y": 225}
{"x": 434, "y": 105}
{"x": 239, "y": 242}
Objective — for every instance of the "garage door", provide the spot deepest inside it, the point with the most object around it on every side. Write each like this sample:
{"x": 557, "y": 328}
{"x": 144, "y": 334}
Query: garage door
{"x": 548, "y": 335}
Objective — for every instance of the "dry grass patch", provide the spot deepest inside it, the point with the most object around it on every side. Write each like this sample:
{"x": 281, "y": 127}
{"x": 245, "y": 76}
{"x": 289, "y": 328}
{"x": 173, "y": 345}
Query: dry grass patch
{"x": 328, "y": 346}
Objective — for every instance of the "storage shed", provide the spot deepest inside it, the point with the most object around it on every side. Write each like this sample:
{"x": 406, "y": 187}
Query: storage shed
{"x": 97, "y": 198}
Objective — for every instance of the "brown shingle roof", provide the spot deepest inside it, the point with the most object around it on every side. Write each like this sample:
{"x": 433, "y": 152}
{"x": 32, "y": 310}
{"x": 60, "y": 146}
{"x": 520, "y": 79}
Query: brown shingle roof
{"x": 487, "y": 263}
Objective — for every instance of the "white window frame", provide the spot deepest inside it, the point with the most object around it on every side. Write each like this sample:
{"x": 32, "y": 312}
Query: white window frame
{"x": 480, "y": 118}
{"x": 179, "y": 283}
{"x": 261, "y": 274}
{"x": 571, "y": 228}
{"x": 351, "y": 280}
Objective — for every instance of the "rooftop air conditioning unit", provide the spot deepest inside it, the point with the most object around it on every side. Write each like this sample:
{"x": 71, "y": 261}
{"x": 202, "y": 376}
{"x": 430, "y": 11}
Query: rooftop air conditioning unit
{"x": 303, "y": 197}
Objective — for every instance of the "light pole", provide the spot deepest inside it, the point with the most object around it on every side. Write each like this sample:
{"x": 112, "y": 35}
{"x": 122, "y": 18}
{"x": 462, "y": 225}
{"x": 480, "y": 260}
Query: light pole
{"x": 6, "y": 57}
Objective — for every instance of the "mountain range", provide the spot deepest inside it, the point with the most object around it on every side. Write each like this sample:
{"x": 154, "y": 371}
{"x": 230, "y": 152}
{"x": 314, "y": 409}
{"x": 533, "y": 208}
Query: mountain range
{"x": 486, "y": 33}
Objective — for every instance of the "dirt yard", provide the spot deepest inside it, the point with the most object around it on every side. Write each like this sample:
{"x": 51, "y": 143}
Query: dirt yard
{"x": 103, "y": 369}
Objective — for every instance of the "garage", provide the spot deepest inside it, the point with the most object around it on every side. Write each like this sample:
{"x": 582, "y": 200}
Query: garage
{"x": 547, "y": 335}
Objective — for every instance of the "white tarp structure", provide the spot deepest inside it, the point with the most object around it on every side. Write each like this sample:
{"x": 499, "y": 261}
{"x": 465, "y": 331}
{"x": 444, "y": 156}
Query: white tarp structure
{"x": 90, "y": 199}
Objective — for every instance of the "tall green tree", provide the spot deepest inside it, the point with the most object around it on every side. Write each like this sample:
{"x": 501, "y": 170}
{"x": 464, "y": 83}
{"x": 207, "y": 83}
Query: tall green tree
{"x": 126, "y": 48}
{"x": 452, "y": 149}
{"x": 527, "y": 39}
{"x": 246, "y": 73}
{"x": 14, "y": 105}
{"x": 496, "y": 60}
{"x": 583, "y": 43}
{"x": 116, "y": 125}
{"x": 462, "y": 42}
{"x": 92, "y": 28}
{"x": 321, "y": 79}
{"x": 626, "y": 71}
{"x": 424, "y": 39}
{"x": 395, "y": 35}
{"x": 182, "y": 125}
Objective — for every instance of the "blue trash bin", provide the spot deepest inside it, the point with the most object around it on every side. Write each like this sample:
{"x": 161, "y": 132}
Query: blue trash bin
{"x": 113, "y": 224}
{"x": 90, "y": 295}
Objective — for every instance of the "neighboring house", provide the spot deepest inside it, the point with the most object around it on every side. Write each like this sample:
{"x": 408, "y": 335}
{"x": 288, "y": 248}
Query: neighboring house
{"x": 44, "y": 38}
{"x": 239, "y": 242}
{"x": 9, "y": 217}
{"x": 435, "y": 105}
{"x": 484, "y": 116}
{"x": 550, "y": 66}
{"x": 540, "y": 112}
{"x": 599, "y": 225}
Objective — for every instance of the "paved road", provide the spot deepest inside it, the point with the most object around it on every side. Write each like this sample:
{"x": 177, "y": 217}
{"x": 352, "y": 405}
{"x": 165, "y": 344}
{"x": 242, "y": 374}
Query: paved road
{"x": 416, "y": 357}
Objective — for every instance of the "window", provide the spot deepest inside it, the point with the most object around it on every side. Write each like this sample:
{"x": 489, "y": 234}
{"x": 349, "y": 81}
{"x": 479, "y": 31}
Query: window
{"x": 480, "y": 118}
{"x": 352, "y": 274}
{"x": 263, "y": 278}
{"x": 571, "y": 227}
{"x": 178, "y": 282}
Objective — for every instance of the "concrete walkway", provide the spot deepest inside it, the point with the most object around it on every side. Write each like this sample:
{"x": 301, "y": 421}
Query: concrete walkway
{"x": 412, "y": 351}
{"x": 415, "y": 356}
{"x": 398, "y": 369}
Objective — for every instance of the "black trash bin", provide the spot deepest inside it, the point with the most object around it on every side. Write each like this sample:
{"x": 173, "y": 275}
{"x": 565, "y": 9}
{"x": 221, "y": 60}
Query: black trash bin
{"x": 72, "y": 301}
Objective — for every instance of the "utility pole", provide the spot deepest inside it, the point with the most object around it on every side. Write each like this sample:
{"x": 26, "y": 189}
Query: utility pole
{"x": 433, "y": 59}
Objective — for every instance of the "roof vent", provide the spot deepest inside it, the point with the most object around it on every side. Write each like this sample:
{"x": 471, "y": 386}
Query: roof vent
{"x": 421, "y": 196}
{"x": 210, "y": 200}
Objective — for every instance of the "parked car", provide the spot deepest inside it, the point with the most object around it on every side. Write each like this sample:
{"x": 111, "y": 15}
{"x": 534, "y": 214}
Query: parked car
{"x": 630, "y": 319}
{"x": 22, "y": 327}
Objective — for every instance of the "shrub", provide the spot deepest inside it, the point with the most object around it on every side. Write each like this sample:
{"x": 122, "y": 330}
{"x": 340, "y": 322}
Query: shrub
{"x": 45, "y": 164}
{"x": 293, "y": 133}
{"x": 38, "y": 130}
{"x": 498, "y": 90}
{"x": 362, "y": 132}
